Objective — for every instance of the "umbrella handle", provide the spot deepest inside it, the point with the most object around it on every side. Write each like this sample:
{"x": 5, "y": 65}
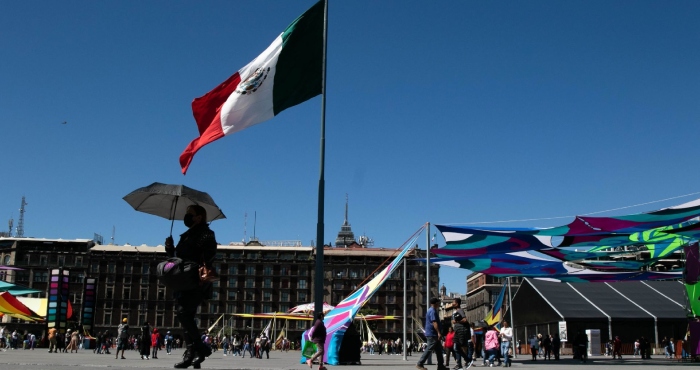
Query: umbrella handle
{"x": 172, "y": 216}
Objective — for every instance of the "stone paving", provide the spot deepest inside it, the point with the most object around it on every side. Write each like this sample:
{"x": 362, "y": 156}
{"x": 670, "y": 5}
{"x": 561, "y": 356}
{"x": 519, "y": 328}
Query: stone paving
{"x": 41, "y": 359}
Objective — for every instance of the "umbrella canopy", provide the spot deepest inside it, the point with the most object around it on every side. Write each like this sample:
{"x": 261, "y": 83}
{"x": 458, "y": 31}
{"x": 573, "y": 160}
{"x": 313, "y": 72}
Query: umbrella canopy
{"x": 9, "y": 305}
{"x": 171, "y": 201}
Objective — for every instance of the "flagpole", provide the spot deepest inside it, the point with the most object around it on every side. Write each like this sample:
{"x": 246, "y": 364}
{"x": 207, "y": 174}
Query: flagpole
{"x": 318, "y": 286}
{"x": 404, "y": 311}
{"x": 512, "y": 324}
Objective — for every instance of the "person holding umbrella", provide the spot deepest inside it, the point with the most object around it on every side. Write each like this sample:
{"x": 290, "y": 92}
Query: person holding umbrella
{"x": 197, "y": 244}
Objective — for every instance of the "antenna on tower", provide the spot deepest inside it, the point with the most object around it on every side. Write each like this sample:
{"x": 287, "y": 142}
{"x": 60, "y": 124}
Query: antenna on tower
{"x": 20, "y": 224}
{"x": 113, "y": 230}
{"x": 245, "y": 227}
{"x": 10, "y": 223}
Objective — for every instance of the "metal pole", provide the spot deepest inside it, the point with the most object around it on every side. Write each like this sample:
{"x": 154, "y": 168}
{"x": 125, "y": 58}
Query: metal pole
{"x": 427, "y": 268}
{"x": 404, "y": 310}
{"x": 512, "y": 324}
{"x": 318, "y": 286}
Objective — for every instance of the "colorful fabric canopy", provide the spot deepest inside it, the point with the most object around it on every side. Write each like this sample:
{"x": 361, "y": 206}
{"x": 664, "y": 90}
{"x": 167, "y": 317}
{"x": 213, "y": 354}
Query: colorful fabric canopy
{"x": 10, "y": 305}
{"x": 15, "y": 289}
{"x": 586, "y": 249}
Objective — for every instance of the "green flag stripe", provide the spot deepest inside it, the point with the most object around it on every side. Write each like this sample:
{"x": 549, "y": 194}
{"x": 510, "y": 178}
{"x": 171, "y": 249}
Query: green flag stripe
{"x": 299, "y": 67}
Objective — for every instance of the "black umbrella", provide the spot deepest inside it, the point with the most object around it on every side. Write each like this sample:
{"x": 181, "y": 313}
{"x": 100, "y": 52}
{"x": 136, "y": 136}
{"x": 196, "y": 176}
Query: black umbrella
{"x": 171, "y": 201}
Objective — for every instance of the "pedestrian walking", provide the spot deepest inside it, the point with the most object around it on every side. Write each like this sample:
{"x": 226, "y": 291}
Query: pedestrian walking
{"x": 197, "y": 244}
{"x": 145, "y": 341}
{"x": 506, "y": 341}
{"x": 53, "y": 342}
{"x": 155, "y": 343}
{"x": 433, "y": 336}
{"x": 318, "y": 336}
{"x": 168, "y": 342}
{"x": 122, "y": 338}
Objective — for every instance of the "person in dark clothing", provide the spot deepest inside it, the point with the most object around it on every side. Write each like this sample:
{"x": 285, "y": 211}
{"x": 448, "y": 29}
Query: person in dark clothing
{"x": 197, "y": 244}
{"x": 318, "y": 336}
{"x": 547, "y": 344}
{"x": 556, "y": 346}
{"x": 145, "y": 341}
{"x": 581, "y": 344}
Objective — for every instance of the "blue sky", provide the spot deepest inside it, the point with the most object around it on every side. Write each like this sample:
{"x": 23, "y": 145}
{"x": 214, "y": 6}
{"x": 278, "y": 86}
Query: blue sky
{"x": 441, "y": 112}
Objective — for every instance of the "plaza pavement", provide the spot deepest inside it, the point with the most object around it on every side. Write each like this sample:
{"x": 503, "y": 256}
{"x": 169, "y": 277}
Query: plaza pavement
{"x": 42, "y": 360}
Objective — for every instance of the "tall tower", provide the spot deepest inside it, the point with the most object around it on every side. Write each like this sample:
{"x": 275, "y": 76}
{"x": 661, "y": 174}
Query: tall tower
{"x": 345, "y": 236}
{"x": 20, "y": 224}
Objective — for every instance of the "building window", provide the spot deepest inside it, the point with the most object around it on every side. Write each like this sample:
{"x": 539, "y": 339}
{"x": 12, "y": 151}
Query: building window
{"x": 284, "y": 307}
{"x": 230, "y": 308}
{"x": 249, "y": 308}
{"x": 267, "y": 283}
{"x": 145, "y": 268}
{"x": 213, "y": 308}
{"x": 284, "y": 270}
{"x": 232, "y": 282}
{"x": 214, "y": 295}
{"x": 284, "y": 283}
{"x": 109, "y": 280}
{"x": 111, "y": 267}
{"x": 41, "y": 277}
{"x": 144, "y": 294}
{"x": 61, "y": 260}
{"x": 337, "y": 285}
{"x": 249, "y": 295}
{"x": 354, "y": 273}
{"x": 142, "y": 317}
{"x": 128, "y": 267}
{"x": 250, "y": 270}
{"x": 108, "y": 305}
{"x": 159, "y": 319}
{"x": 109, "y": 293}
{"x": 287, "y": 256}
{"x": 144, "y": 280}
{"x": 232, "y": 295}
{"x": 95, "y": 267}
{"x": 301, "y": 296}
{"x": 301, "y": 324}
{"x": 22, "y": 276}
{"x": 161, "y": 294}
{"x": 303, "y": 271}
{"x": 43, "y": 261}
{"x": 267, "y": 296}
{"x": 267, "y": 308}
{"x": 284, "y": 297}
{"x": 250, "y": 283}
{"x": 107, "y": 318}
{"x": 302, "y": 284}
{"x": 267, "y": 271}
{"x": 127, "y": 280}
{"x": 232, "y": 270}
{"x": 127, "y": 293}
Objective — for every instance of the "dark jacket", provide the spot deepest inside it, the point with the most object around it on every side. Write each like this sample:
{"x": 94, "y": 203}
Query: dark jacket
{"x": 197, "y": 244}
{"x": 318, "y": 335}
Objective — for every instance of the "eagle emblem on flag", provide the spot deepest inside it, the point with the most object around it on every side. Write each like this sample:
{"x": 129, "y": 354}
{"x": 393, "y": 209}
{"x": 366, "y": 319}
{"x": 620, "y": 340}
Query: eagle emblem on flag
{"x": 253, "y": 82}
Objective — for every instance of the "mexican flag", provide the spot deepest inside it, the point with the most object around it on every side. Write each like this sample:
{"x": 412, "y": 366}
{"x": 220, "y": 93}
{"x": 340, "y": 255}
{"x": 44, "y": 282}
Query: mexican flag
{"x": 287, "y": 73}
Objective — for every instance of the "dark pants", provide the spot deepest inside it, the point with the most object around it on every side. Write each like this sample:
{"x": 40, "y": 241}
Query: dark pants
{"x": 434, "y": 345}
{"x": 186, "y": 304}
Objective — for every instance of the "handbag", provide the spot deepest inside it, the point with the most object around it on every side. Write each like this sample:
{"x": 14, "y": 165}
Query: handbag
{"x": 178, "y": 274}
{"x": 309, "y": 349}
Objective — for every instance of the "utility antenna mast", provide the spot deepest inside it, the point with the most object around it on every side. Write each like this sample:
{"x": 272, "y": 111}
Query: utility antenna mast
{"x": 245, "y": 227}
{"x": 20, "y": 224}
{"x": 113, "y": 230}
{"x": 10, "y": 223}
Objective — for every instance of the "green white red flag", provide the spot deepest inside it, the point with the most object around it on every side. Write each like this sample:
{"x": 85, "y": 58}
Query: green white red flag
{"x": 287, "y": 73}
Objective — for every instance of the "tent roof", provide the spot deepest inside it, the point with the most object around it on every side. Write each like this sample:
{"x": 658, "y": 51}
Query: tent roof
{"x": 632, "y": 300}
